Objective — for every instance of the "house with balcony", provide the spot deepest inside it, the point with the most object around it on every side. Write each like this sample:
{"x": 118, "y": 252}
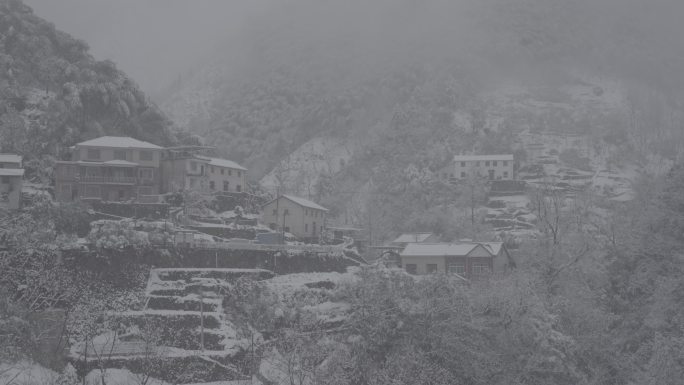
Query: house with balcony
{"x": 491, "y": 167}
{"x": 298, "y": 216}
{"x": 225, "y": 175}
{"x": 11, "y": 181}
{"x": 109, "y": 168}
{"x": 466, "y": 259}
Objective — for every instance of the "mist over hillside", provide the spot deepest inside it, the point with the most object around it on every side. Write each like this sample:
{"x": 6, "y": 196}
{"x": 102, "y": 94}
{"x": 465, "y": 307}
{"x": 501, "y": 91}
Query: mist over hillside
{"x": 476, "y": 192}
{"x": 406, "y": 84}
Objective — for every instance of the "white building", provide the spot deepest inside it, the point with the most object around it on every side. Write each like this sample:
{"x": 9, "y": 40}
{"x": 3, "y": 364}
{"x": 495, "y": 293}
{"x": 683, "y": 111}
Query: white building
{"x": 492, "y": 167}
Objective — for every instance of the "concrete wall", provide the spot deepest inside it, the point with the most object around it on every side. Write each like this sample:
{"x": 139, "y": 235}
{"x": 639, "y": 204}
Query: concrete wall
{"x": 178, "y": 174}
{"x": 234, "y": 177}
{"x": 421, "y": 263}
{"x": 300, "y": 220}
{"x": 10, "y": 192}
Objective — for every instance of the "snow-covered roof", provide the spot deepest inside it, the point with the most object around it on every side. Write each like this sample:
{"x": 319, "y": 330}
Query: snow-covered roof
{"x": 448, "y": 249}
{"x": 305, "y": 202}
{"x": 119, "y": 162}
{"x": 493, "y": 247}
{"x": 412, "y": 237}
{"x": 225, "y": 163}
{"x": 119, "y": 142}
{"x": 300, "y": 201}
{"x": 465, "y": 158}
{"x": 11, "y": 172}
{"x": 10, "y": 158}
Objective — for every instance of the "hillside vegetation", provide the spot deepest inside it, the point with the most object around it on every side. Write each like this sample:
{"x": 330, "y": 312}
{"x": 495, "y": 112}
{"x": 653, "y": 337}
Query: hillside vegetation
{"x": 53, "y": 93}
{"x": 403, "y": 87}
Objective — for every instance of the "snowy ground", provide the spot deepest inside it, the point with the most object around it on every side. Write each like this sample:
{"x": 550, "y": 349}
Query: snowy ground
{"x": 300, "y": 171}
{"x": 26, "y": 373}
{"x": 125, "y": 377}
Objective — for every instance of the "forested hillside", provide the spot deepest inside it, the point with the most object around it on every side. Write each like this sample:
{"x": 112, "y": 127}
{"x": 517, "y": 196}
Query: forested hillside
{"x": 53, "y": 93}
{"x": 403, "y": 87}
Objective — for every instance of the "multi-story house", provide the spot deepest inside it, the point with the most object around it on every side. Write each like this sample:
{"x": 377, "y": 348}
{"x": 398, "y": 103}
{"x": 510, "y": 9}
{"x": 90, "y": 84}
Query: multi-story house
{"x": 492, "y": 167}
{"x": 226, "y": 175}
{"x": 109, "y": 168}
{"x": 11, "y": 181}
{"x": 297, "y": 216}
{"x": 183, "y": 169}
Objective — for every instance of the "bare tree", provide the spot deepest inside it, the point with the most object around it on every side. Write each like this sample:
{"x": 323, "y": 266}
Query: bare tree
{"x": 547, "y": 203}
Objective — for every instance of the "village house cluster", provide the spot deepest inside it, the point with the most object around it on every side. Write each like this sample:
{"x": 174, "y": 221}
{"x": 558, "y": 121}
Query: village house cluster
{"x": 112, "y": 168}
{"x": 124, "y": 169}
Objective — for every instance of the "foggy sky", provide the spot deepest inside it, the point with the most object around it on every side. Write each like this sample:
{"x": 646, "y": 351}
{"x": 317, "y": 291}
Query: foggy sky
{"x": 151, "y": 40}
{"x": 155, "y": 41}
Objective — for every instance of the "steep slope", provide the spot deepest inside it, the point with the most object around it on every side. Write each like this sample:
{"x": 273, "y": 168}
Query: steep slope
{"x": 54, "y": 94}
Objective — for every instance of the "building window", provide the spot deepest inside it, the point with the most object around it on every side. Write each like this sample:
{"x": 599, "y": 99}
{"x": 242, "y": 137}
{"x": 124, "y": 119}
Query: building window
{"x": 93, "y": 154}
{"x": 477, "y": 163}
{"x": 238, "y": 188}
{"x": 275, "y": 212}
{"x": 287, "y": 229}
{"x": 212, "y": 169}
{"x": 306, "y": 227}
{"x": 452, "y": 176}
{"x": 92, "y": 172}
{"x": 444, "y": 175}
{"x": 505, "y": 163}
{"x": 145, "y": 191}
{"x": 505, "y": 174}
{"x": 147, "y": 156}
{"x": 5, "y": 180}
{"x": 193, "y": 166}
{"x": 212, "y": 185}
{"x": 321, "y": 229}
{"x": 411, "y": 268}
{"x": 306, "y": 212}
{"x": 480, "y": 269}
{"x": 431, "y": 268}
{"x": 486, "y": 163}
{"x": 120, "y": 154}
{"x": 226, "y": 185}
{"x": 192, "y": 183}
{"x": 463, "y": 164}
{"x": 286, "y": 212}
{"x": 463, "y": 174}
{"x": 222, "y": 171}
{"x": 239, "y": 173}
{"x": 457, "y": 269}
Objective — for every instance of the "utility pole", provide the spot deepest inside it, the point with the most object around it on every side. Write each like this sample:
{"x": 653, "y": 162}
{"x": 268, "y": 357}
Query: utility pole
{"x": 278, "y": 210}
{"x": 201, "y": 320}
{"x": 283, "y": 227}
{"x": 472, "y": 206}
